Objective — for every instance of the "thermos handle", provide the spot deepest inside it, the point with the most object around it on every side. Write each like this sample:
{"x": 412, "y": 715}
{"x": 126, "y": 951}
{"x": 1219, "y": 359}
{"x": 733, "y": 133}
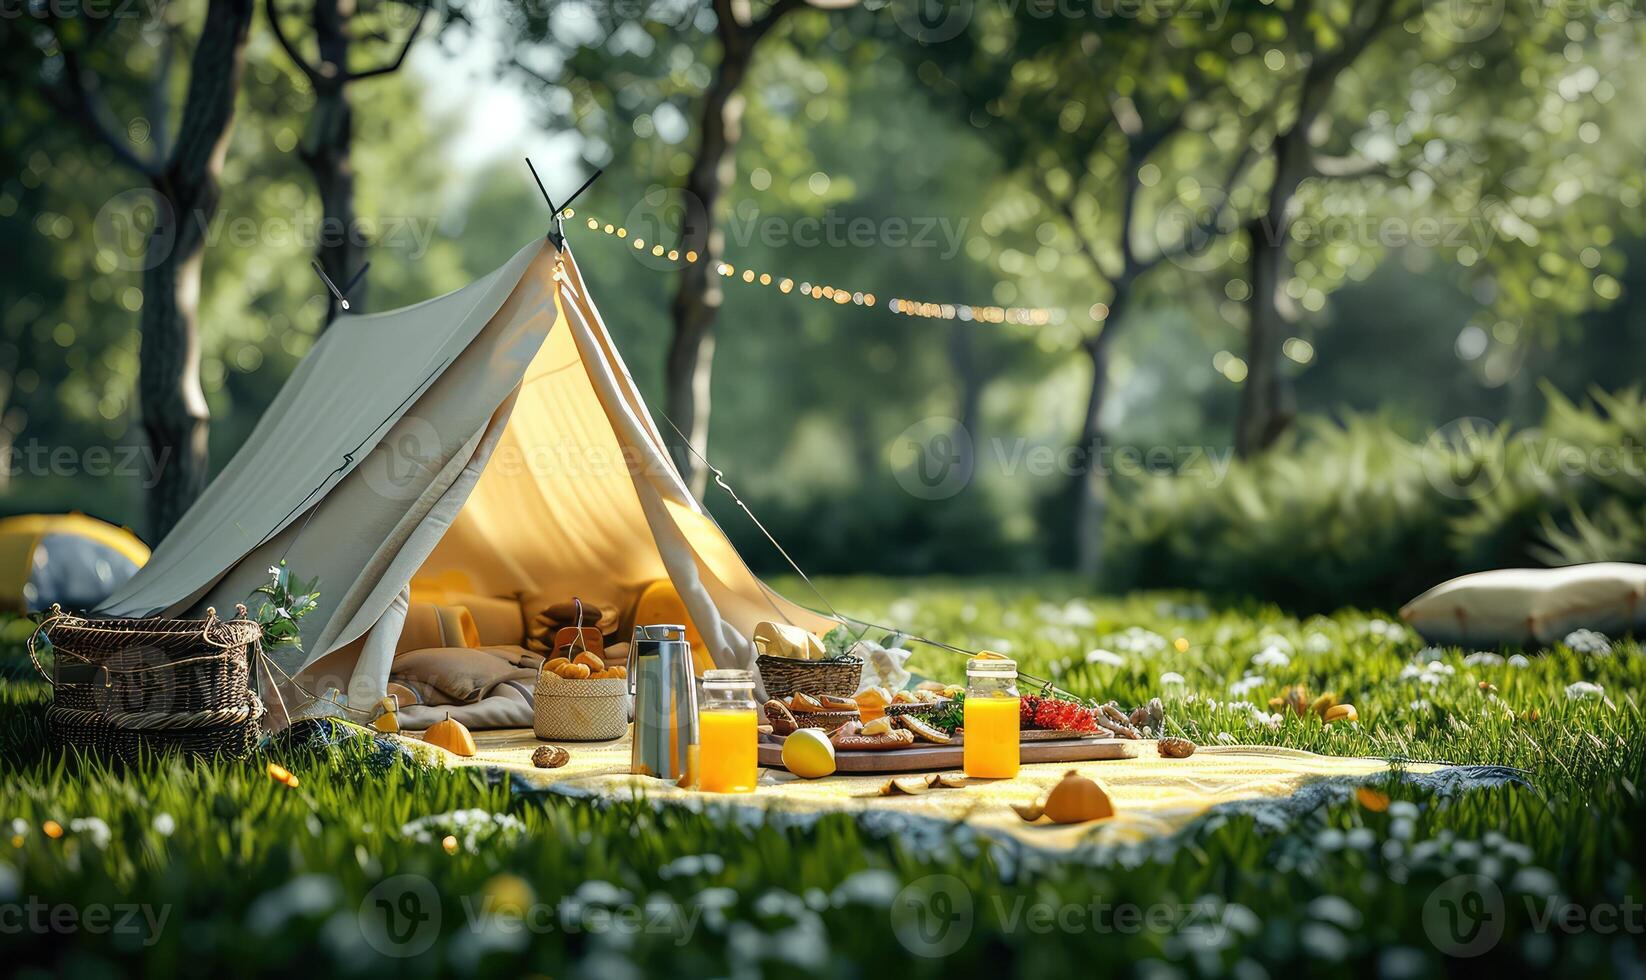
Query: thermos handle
{"x": 633, "y": 662}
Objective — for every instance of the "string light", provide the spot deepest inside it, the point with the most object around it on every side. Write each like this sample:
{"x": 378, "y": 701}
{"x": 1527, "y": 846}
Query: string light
{"x": 1029, "y": 316}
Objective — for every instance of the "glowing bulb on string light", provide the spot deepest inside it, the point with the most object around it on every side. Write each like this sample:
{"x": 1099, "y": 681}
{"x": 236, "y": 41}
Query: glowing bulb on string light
{"x": 1025, "y": 316}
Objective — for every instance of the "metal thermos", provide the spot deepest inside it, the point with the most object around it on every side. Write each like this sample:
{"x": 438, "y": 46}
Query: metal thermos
{"x": 665, "y": 703}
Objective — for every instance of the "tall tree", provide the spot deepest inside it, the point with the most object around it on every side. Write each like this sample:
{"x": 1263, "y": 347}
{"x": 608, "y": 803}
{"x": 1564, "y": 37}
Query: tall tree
{"x": 605, "y": 84}
{"x": 184, "y": 180}
{"x": 1413, "y": 121}
{"x": 1267, "y": 405}
{"x": 328, "y": 138}
{"x": 1091, "y": 120}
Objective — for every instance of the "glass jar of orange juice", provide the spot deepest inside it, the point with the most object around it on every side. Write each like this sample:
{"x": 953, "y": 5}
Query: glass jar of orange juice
{"x": 989, "y": 749}
{"x": 727, "y": 733}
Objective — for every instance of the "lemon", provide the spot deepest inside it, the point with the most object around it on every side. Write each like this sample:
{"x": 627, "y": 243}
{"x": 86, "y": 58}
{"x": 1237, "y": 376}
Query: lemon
{"x": 809, "y": 754}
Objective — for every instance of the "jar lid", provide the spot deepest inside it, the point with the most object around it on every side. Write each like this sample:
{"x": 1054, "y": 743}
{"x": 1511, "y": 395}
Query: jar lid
{"x": 991, "y": 665}
{"x": 728, "y": 677}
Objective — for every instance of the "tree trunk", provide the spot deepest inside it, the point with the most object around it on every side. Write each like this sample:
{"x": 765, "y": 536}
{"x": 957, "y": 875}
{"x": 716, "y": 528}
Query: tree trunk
{"x": 326, "y": 150}
{"x": 1090, "y": 484}
{"x": 697, "y": 303}
{"x": 175, "y": 416}
{"x": 1267, "y": 402}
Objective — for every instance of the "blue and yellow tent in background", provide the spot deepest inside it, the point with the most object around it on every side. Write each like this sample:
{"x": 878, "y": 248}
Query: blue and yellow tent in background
{"x": 70, "y": 559}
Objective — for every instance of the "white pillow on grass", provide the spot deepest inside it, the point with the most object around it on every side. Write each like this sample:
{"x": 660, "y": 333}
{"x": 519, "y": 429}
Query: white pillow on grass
{"x": 1531, "y": 606}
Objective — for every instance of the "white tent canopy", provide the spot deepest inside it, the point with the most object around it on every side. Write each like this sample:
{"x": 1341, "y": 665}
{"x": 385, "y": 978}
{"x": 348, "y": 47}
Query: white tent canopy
{"x": 491, "y": 437}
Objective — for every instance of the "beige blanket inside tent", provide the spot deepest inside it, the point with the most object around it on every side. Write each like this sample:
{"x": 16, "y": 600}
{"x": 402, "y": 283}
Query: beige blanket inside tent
{"x": 489, "y": 442}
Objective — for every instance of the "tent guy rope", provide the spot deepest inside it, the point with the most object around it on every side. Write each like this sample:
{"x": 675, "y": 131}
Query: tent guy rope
{"x": 720, "y": 481}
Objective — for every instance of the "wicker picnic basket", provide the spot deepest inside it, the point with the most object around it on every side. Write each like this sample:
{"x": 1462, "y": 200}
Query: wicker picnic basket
{"x": 123, "y": 686}
{"x": 579, "y": 710}
{"x": 785, "y": 677}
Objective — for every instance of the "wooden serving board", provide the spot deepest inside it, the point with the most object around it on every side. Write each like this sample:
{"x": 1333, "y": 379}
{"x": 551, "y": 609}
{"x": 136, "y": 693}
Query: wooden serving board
{"x": 934, "y": 758}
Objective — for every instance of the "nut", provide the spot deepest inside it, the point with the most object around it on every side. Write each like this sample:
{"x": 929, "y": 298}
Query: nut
{"x": 1175, "y": 748}
{"x": 550, "y": 757}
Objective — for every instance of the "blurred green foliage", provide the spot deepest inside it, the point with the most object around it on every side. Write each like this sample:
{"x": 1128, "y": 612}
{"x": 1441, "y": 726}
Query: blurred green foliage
{"x": 1358, "y": 513}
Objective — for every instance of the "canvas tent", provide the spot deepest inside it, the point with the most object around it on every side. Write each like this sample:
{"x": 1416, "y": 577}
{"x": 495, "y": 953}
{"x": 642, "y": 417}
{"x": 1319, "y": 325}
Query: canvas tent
{"x": 491, "y": 438}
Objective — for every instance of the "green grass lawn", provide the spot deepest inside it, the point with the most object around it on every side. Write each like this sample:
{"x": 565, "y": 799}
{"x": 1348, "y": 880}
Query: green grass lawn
{"x": 178, "y": 869}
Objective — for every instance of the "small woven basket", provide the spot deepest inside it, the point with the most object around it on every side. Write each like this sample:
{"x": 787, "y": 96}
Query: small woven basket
{"x": 126, "y": 686}
{"x": 579, "y": 711}
{"x": 784, "y": 677}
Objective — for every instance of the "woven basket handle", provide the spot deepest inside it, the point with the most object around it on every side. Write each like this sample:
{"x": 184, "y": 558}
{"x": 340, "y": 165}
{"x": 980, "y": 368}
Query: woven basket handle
{"x": 57, "y": 614}
{"x": 577, "y": 622}
{"x": 212, "y": 622}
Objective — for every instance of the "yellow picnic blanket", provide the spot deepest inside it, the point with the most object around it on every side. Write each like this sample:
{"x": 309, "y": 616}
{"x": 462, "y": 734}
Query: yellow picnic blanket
{"x": 1153, "y": 795}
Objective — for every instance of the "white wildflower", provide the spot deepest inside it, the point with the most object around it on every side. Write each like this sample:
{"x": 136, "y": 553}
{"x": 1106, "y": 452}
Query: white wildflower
{"x": 1106, "y": 657}
{"x": 1136, "y": 640}
{"x": 1484, "y": 658}
{"x": 1431, "y": 673}
{"x": 1588, "y": 641}
{"x": 1171, "y": 678}
{"x": 94, "y": 828}
{"x": 164, "y": 824}
{"x": 1317, "y": 643}
{"x": 1078, "y": 614}
{"x": 1225, "y": 738}
{"x": 1271, "y": 656}
{"x": 1519, "y": 660}
{"x": 1247, "y": 684}
{"x": 1585, "y": 691}
{"x": 1274, "y": 641}
{"x": 1263, "y": 719}
{"x": 470, "y": 827}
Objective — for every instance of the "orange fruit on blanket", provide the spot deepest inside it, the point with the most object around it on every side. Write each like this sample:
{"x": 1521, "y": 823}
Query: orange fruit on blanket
{"x": 1076, "y": 799}
{"x": 451, "y": 735}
